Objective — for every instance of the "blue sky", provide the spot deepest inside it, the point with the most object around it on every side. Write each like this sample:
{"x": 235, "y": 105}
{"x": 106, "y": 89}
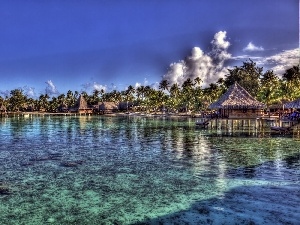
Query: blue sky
{"x": 81, "y": 45}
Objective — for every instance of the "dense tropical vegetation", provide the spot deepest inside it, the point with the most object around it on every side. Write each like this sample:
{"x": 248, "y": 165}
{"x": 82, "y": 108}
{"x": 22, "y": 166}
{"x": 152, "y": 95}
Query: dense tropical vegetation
{"x": 266, "y": 87}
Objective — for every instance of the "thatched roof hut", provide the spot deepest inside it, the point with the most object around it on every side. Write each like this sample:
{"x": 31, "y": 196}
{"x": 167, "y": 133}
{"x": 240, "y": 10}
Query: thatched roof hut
{"x": 108, "y": 106}
{"x": 236, "y": 102}
{"x": 236, "y": 97}
{"x": 293, "y": 105}
{"x": 81, "y": 106}
{"x": 81, "y": 103}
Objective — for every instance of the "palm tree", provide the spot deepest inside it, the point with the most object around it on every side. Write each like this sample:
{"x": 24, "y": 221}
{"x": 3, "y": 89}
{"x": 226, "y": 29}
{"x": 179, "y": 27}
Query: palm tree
{"x": 114, "y": 96}
{"x": 187, "y": 94}
{"x": 53, "y": 105}
{"x": 17, "y": 100}
{"x": 270, "y": 88}
{"x": 128, "y": 95}
{"x": 211, "y": 93}
{"x": 164, "y": 85}
{"x": 246, "y": 75}
{"x": 148, "y": 95}
{"x": 140, "y": 92}
{"x": 76, "y": 95}
{"x": 292, "y": 74}
{"x": 43, "y": 102}
{"x": 291, "y": 83}
{"x": 31, "y": 104}
{"x": 70, "y": 99}
{"x": 173, "y": 101}
{"x": 197, "y": 81}
{"x": 95, "y": 96}
{"x": 156, "y": 99}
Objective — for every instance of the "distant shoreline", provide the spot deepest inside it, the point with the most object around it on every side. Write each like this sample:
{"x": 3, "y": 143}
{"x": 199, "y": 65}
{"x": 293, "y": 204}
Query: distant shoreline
{"x": 124, "y": 114}
{"x": 114, "y": 114}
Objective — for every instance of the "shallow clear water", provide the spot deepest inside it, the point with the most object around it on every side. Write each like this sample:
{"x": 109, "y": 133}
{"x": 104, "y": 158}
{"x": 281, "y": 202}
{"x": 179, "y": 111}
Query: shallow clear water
{"x": 133, "y": 170}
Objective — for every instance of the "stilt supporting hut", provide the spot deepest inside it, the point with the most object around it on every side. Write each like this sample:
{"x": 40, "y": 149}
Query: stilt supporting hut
{"x": 236, "y": 102}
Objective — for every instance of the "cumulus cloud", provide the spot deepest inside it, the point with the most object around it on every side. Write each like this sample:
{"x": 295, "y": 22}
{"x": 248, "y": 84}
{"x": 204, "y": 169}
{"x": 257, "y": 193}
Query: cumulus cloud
{"x": 51, "y": 88}
{"x": 89, "y": 87}
{"x": 209, "y": 67}
{"x": 29, "y": 91}
{"x": 145, "y": 83}
{"x": 219, "y": 40}
{"x": 99, "y": 87}
{"x": 282, "y": 61}
{"x": 176, "y": 72}
{"x": 155, "y": 85}
{"x": 252, "y": 48}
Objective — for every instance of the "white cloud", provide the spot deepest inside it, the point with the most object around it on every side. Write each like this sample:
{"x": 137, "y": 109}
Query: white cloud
{"x": 208, "y": 67}
{"x": 246, "y": 57}
{"x": 89, "y": 87}
{"x": 29, "y": 92}
{"x": 51, "y": 88}
{"x": 280, "y": 62}
{"x": 176, "y": 72}
{"x": 155, "y": 85}
{"x": 145, "y": 83}
{"x": 219, "y": 40}
{"x": 252, "y": 48}
{"x": 99, "y": 87}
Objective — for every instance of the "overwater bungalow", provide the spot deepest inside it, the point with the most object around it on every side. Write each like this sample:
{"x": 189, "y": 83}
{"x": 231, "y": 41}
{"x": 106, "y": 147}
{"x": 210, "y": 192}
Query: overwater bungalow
{"x": 236, "y": 102}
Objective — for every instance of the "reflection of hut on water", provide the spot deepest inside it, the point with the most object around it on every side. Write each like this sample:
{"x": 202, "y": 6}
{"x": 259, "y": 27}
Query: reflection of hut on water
{"x": 83, "y": 122}
{"x": 108, "y": 107}
{"x": 237, "y": 103}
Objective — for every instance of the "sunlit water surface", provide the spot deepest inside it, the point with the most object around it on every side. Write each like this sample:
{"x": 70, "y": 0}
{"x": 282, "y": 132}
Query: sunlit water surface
{"x": 134, "y": 170}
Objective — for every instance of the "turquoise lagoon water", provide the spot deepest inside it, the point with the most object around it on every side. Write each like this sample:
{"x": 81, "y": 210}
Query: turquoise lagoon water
{"x": 134, "y": 170}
